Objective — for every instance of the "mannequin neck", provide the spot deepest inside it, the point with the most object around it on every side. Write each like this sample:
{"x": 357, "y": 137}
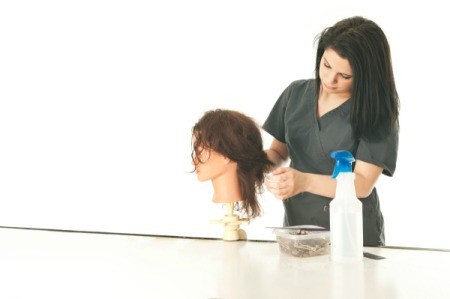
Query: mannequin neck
{"x": 226, "y": 186}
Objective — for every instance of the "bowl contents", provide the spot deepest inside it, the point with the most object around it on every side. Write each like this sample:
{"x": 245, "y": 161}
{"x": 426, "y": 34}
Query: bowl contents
{"x": 300, "y": 242}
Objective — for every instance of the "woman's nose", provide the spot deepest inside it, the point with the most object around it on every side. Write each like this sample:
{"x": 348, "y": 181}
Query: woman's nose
{"x": 331, "y": 78}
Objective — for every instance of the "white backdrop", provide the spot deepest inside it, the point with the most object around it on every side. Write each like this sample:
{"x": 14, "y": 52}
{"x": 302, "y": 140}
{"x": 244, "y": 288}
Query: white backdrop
{"x": 98, "y": 99}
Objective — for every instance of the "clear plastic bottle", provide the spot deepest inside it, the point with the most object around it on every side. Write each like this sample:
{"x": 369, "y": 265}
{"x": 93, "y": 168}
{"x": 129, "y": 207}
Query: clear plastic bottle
{"x": 346, "y": 224}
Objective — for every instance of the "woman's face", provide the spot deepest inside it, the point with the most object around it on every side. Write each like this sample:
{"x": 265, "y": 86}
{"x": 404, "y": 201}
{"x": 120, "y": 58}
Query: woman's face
{"x": 211, "y": 166}
{"x": 335, "y": 74}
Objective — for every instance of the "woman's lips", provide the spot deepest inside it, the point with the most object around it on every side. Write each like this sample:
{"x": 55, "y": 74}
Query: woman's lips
{"x": 328, "y": 87}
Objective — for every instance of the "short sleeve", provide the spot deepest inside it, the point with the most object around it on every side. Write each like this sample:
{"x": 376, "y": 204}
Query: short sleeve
{"x": 275, "y": 122}
{"x": 381, "y": 153}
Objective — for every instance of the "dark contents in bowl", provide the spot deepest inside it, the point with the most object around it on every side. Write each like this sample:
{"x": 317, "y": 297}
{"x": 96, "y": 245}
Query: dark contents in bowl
{"x": 303, "y": 247}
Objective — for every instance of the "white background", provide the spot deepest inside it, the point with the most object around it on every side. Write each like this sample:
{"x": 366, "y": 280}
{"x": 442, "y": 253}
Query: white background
{"x": 98, "y": 98}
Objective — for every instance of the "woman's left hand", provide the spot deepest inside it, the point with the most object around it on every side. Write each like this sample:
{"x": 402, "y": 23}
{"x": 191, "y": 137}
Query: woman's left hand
{"x": 285, "y": 182}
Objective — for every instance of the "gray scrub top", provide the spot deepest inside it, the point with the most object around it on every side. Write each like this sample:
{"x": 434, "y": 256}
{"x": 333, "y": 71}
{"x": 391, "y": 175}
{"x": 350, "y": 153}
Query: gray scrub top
{"x": 310, "y": 141}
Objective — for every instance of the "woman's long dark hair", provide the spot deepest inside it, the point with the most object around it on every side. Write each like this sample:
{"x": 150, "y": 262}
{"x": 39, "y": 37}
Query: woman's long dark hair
{"x": 237, "y": 137}
{"x": 374, "y": 98}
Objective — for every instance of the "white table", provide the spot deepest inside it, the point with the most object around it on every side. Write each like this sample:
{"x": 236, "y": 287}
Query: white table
{"x": 49, "y": 264}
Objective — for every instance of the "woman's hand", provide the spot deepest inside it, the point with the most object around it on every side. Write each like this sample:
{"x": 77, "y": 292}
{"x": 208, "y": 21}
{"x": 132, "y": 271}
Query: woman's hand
{"x": 286, "y": 182}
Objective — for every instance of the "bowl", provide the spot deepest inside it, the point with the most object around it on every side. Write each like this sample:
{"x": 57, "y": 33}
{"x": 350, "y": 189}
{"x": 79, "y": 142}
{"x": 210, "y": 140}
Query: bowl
{"x": 303, "y": 240}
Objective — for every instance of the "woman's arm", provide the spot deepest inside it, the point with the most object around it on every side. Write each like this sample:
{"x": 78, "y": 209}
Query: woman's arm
{"x": 277, "y": 153}
{"x": 286, "y": 182}
{"x": 366, "y": 175}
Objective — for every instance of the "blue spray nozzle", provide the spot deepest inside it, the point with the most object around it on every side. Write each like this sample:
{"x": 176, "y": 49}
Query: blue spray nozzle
{"x": 344, "y": 160}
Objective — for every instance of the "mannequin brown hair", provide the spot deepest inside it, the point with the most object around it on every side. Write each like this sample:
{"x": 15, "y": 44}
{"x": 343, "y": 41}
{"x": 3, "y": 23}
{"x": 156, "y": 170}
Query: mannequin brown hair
{"x": 237, "y": 137}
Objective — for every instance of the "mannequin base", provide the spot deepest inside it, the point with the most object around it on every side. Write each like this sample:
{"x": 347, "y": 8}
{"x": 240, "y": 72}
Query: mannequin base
{"x": 233, "y": 232}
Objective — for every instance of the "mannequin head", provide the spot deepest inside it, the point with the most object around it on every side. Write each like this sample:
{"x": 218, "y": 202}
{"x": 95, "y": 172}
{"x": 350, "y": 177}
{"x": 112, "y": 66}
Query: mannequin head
{"x": 228, "y": 150}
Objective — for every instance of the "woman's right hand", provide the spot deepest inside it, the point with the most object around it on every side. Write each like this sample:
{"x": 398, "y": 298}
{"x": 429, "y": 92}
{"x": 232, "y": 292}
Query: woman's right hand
{"x": 285, "y": 182}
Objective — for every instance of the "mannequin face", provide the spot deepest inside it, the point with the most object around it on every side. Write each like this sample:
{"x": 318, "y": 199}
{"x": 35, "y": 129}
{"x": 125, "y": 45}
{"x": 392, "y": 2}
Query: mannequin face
{"x": 213, "y": 165}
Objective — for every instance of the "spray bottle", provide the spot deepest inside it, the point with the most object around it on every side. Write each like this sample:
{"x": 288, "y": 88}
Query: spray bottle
{"x": 346, "y": 225}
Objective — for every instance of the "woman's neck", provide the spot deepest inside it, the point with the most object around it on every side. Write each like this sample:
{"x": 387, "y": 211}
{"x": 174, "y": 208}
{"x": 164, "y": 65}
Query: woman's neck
{"x": 328, "y": 102}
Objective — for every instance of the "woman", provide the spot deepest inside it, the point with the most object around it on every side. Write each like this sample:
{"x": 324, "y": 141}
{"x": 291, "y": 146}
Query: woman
{"x": 352, "y": 104}
{"x": 228, "y": 150}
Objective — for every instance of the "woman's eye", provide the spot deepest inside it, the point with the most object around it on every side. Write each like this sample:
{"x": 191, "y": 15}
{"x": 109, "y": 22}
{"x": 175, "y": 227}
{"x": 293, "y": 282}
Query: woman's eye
{"x": 346, "y": 77}
{"x": 326, "y": 65}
